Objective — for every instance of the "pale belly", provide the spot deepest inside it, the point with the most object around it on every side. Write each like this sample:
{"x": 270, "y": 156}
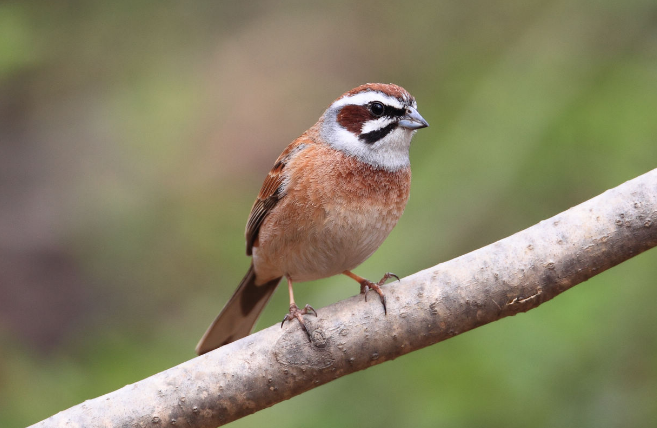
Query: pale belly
{"x": 333, "y": 239}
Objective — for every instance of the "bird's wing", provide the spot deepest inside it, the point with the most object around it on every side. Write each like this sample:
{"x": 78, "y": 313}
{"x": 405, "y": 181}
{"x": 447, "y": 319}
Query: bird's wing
{"x": 271, "y": 192}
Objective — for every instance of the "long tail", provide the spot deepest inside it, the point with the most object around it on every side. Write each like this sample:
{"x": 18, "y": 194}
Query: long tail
{"x": 240, "y": 314}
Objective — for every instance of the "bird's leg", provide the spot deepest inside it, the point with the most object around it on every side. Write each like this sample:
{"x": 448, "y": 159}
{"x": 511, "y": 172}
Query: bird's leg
{"x": 295, "y": 312}
{"x": 367, "y": 285}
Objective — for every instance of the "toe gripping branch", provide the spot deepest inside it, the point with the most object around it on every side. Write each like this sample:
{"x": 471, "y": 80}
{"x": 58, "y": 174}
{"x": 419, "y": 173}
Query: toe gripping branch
{"x": 367, "y": 285}
{"x": 297, "y": 313}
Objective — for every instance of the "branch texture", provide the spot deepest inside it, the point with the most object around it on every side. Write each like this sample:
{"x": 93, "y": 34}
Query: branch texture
{"x": 502, "y": 279}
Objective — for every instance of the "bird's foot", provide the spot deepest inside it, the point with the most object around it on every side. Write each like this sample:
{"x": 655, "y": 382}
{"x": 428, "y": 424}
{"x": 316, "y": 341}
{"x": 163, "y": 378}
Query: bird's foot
{"x": 297, "y": 313}
{"x": 367, "y": 285}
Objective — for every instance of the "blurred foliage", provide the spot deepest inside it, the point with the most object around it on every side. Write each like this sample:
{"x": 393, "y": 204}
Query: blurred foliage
{"x": 134, "y": 136}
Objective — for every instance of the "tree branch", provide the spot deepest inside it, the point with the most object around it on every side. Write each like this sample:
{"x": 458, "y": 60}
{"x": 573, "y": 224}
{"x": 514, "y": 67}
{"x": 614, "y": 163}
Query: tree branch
{"x": 502, "y": 279}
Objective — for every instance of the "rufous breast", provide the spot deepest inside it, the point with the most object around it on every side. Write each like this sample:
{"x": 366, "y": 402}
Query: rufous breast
{"x": 335, "y": 212}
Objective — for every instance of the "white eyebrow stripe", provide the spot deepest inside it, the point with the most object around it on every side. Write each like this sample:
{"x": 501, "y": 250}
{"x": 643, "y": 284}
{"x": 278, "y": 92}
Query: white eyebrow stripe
{"x": 363, "y": 98}
{"x": 376, "y": 124}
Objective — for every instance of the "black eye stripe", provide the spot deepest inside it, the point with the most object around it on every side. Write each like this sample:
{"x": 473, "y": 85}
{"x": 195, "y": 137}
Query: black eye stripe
{"x": 374, "y": 136}
{"x": 394, "y": 112}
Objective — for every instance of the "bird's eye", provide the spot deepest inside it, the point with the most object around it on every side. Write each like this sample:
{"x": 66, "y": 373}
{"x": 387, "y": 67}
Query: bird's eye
{"x": 377, "y": 108}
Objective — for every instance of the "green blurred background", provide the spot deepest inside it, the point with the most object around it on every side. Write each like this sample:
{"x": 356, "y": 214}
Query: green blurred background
{"x": 134, "y": 136}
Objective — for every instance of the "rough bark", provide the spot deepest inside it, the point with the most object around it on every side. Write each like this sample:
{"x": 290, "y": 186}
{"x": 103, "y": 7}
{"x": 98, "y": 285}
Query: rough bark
{"x": 502, "y": 279}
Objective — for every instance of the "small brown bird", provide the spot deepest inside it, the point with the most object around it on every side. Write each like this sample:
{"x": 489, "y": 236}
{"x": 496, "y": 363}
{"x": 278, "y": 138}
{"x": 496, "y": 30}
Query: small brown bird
{"x": 329, "y": 202}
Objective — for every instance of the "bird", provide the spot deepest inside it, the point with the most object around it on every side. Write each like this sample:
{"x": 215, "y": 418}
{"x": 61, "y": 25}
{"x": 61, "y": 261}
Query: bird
{"x": 330, "y": 200}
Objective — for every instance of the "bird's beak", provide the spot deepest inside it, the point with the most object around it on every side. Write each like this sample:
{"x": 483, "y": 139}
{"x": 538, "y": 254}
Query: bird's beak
{"x": 413, "y": 120}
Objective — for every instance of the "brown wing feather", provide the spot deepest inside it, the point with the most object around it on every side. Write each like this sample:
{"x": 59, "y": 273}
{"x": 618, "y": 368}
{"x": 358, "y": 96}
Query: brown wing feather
{"x": 270, "y": 193}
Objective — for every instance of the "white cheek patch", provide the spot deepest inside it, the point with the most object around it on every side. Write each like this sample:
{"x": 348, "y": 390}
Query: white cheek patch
{"x": 389, "y": 153}
{"x": 343, "y": 140}
{"x": 363, "y": 98}
{"x": 376, "y": 124}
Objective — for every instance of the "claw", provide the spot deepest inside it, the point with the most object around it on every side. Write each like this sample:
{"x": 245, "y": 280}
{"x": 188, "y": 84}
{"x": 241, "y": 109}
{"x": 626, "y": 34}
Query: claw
{"x": 303, "y": 325}
{"x": 366, "y": 285}
{"x": 285, "y": 318}
{"x": 296, "y": 313}
{"x": 309, "y": 308}
{"x": 386, "y": 277}
{"x": 364, "y": 288}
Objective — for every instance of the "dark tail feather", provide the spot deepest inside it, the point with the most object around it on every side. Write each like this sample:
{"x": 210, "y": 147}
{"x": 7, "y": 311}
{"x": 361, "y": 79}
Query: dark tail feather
{"x": 240, "y": 314}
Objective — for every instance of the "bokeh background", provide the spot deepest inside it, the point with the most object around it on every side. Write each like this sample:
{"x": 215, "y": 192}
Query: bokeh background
{"x": 134, "y": 136}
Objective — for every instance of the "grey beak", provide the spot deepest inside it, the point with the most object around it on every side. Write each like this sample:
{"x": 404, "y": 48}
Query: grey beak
{"x": 413, "y": 120}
